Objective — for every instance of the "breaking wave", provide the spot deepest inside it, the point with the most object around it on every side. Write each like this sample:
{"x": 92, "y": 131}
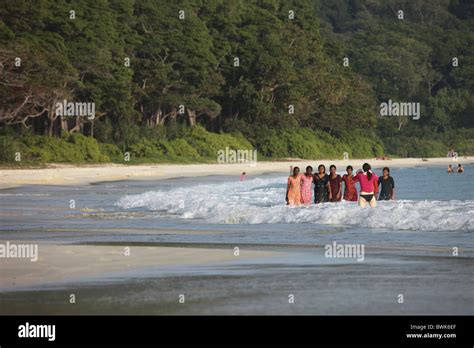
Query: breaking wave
{"x": 261, "y": 201}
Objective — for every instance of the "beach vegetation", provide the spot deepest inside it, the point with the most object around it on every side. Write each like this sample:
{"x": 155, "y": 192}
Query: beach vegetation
{"x": 169, "y": 89}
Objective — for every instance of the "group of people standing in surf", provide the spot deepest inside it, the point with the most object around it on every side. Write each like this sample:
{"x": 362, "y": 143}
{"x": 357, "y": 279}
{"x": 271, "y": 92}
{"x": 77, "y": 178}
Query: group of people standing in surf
{"x": 328, "y": 187}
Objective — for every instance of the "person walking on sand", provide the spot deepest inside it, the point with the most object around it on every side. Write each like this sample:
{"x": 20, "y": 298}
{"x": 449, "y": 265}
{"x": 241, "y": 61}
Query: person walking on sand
{"x": 306, "y": 184}
{"x": 387, "y": 184}
{"x": 335, "y": 182}
{"x": 293, "y": 189}
{"x": 366, "y": 180}
{"x": 321, "y": 185}
{"x": 350, "y": 190}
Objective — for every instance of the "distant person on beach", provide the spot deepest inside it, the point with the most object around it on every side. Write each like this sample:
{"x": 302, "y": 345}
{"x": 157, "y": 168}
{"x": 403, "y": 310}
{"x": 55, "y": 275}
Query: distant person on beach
{"x": 450, "y": 168}
{"x": 321, "y": 185}
{"x": 350, "y": 190}
{"x": 366, "y": 180}
{"x": 460, "y": 168}
{"x": 243, "y": 176}
{"x": 388, "y": 186}
{"x": 293, "y": 190}
{"x": 452, "y": 154}
{"x": 306, "y": 186}
{"x": 335, "y": 182}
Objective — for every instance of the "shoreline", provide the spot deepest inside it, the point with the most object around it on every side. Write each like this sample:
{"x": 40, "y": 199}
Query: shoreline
{"x": 71, "y": 262}
{"x": 65, "y": 174}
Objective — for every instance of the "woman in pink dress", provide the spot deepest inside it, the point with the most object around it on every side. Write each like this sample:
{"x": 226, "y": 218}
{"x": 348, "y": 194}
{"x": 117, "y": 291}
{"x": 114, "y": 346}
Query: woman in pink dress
{"x": 306, "y": 185}
{"x": 293, "y": 190}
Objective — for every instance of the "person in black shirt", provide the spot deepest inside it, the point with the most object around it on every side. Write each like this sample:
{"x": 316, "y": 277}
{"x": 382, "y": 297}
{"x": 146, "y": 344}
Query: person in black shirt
{"x": 321, "y": 185}
{"x": 387, "y": 185}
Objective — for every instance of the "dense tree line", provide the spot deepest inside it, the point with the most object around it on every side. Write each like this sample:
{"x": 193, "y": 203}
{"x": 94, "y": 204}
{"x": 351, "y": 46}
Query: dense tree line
{"x": 426, "y": 57}
{"x": 258, "y": 67}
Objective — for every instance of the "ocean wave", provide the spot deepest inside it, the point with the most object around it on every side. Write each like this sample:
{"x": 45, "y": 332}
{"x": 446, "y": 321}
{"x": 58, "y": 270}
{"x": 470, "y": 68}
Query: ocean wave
{"x": 261, "y": 201}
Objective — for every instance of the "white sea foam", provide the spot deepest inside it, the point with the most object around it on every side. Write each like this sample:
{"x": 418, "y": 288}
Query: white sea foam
{"x": 262, "y": 201}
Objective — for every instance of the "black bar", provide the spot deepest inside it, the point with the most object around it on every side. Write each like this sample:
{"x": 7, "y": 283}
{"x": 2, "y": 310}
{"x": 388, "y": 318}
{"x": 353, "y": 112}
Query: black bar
{"x": 225, "y": 330}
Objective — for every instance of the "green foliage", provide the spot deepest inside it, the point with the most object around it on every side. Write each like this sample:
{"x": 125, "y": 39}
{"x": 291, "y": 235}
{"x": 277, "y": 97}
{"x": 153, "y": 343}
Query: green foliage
{"x": 71, "y": 148}
{"x": 410, "y": 60}
{"x": 175, "y": 130}
{"x": 465, "y": 147}
{"x": 182, "y": 149}
{"x": 200, "y": 144}
{"x": 363, "y": 144}
{"x": 191, "y": 62}
{"x": 88, "y": 147}
{"x": 308, "y": 144}
{"x": 462, "y": 140}
{"x": 111, "y": 151}
{"x": 146, "y": 149}
{"x": 47, "y": 149}
{"x": 415, "y": 147}
{"x": 207, "y": 144}
{"x": 8, "y": 147}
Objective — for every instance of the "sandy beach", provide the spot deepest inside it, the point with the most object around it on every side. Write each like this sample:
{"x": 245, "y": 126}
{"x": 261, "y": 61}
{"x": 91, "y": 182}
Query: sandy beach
{"x": 182, "y": 233}
{"x": 61, "y": 174}
{"x": 71, "y": 262}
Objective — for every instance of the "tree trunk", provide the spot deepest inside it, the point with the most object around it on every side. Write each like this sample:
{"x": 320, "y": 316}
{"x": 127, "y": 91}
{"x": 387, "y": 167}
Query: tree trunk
{"x": 51, "y": 118}
{"x": 46, "y": 120}
{"x": 50, "y": 127}
{"x": 159, "y": 114}
{"x": 173, "y": 113}
{"x": 78, "y": 126}
{"x": 400, "y": 123}
{"x": 191, "y": 117}
{"x": 64, "y": 124}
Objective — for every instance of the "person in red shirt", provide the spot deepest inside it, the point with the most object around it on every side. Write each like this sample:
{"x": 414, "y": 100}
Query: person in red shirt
{"x": 350, "y": 190}
{"x": 335, "y": 181}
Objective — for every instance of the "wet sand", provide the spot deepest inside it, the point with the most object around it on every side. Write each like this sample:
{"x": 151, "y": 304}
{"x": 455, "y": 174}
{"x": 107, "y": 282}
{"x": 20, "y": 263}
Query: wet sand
{"x": 66, "y": 262}
{"x": 83, "y": 252}
{"x": 263, "y": 286}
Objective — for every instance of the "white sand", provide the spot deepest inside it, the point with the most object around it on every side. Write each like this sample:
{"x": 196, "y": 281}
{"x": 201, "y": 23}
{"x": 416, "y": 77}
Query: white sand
{"x": 67, "y": 262}
{"x": 68, "y": 174}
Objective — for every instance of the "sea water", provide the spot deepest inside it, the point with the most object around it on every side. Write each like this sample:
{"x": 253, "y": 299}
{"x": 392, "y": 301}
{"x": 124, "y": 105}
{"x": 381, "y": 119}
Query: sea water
{"x": 409, "y": 243}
